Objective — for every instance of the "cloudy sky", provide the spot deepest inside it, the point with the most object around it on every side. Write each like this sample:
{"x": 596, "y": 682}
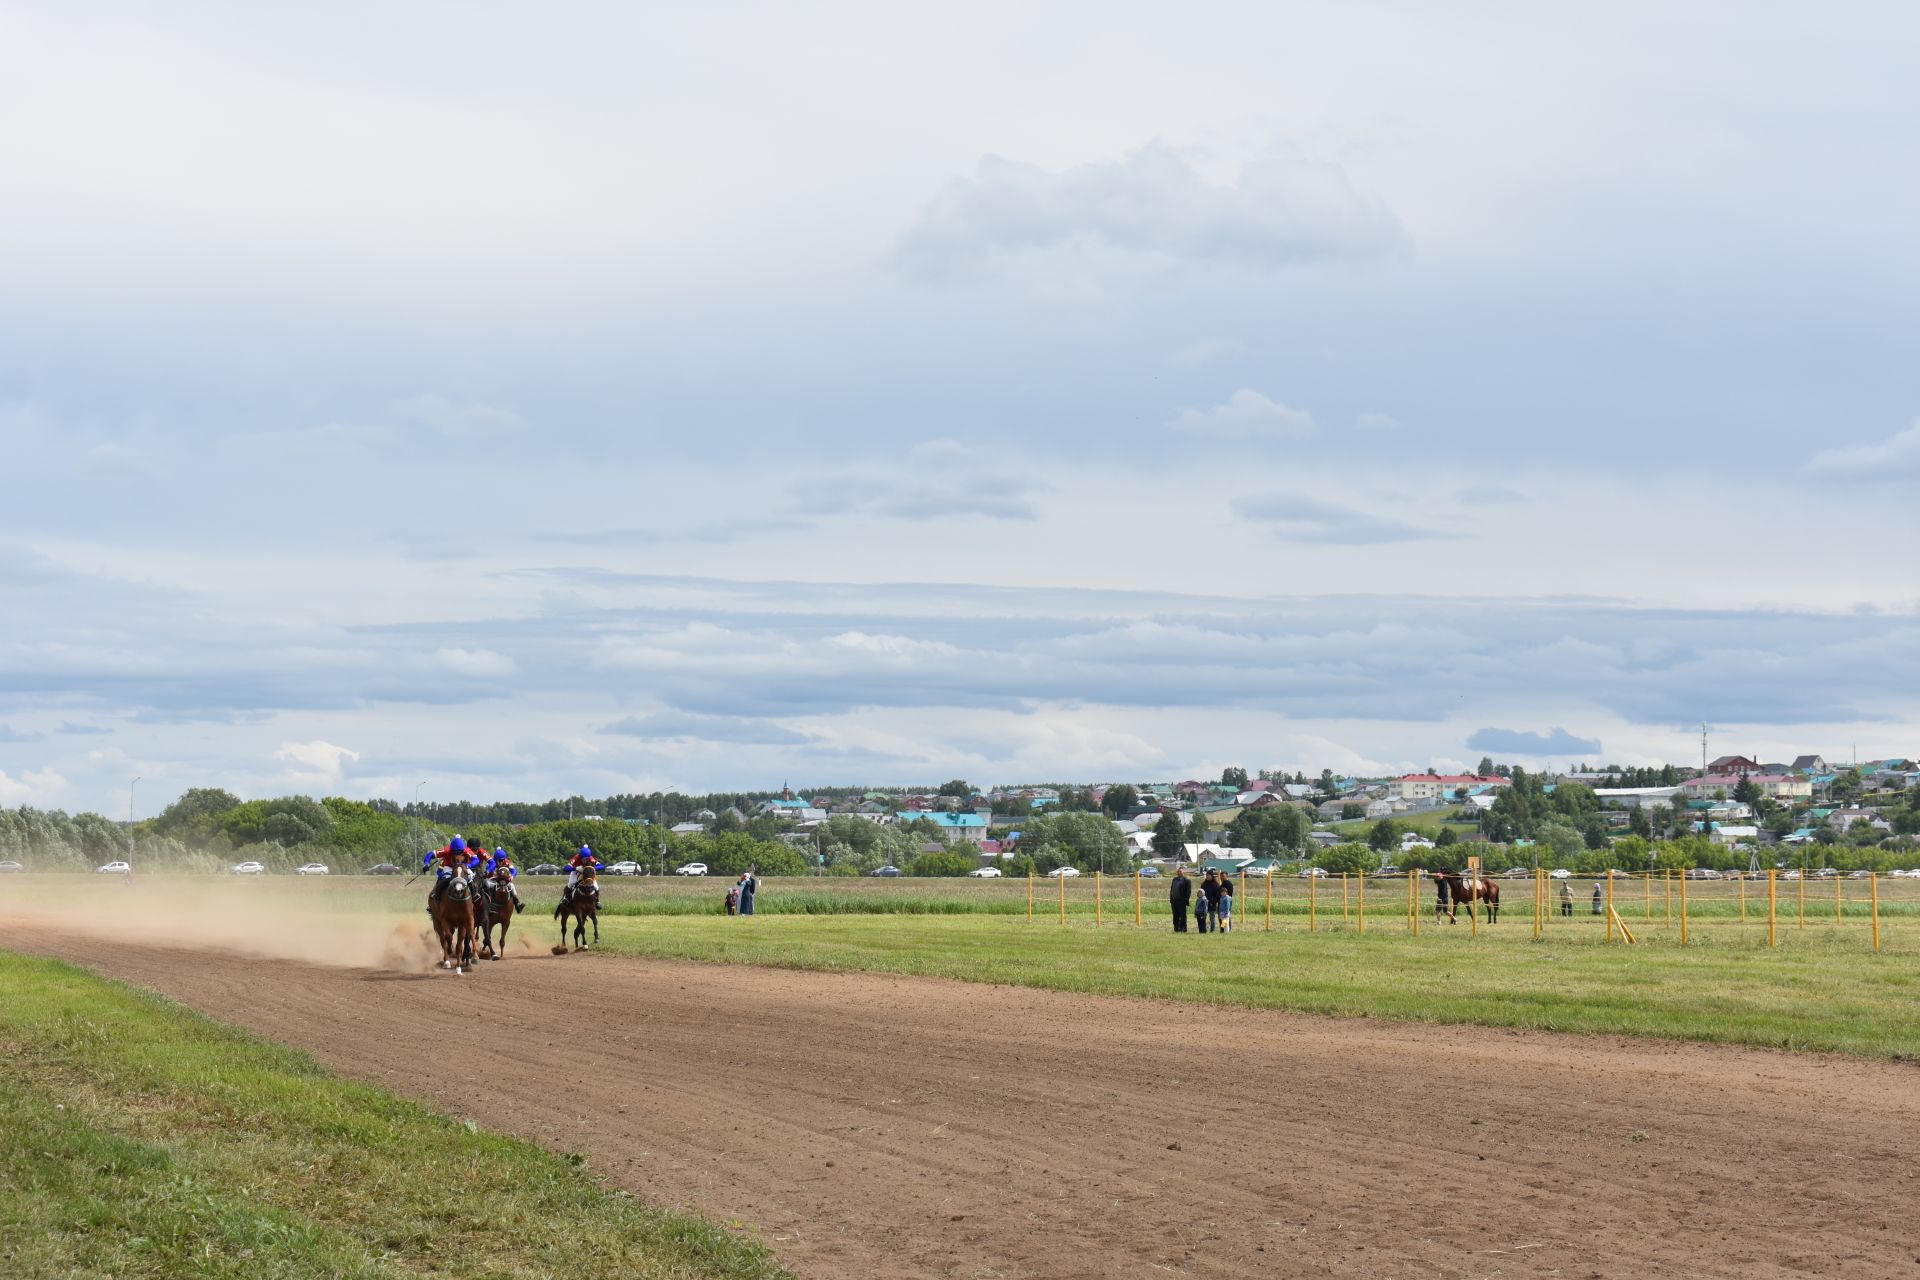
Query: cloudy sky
{"x": 532, "y": 399}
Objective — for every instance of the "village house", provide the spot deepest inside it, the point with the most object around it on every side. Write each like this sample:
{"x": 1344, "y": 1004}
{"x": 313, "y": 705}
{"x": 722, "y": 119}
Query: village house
{"x": 1441, "y": 786}
{"x": 1779, "y": 786}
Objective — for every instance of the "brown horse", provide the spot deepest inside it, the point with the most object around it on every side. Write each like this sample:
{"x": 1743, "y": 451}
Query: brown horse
{"x": 1466, "y": 892}
{"x": 452, "y": 913}
{"x": 499, "y": 910}
{"x": 582, "y": 905}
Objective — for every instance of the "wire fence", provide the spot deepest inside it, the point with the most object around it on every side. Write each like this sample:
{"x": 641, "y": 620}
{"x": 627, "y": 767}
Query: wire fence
{"x": 1624, "y": 907}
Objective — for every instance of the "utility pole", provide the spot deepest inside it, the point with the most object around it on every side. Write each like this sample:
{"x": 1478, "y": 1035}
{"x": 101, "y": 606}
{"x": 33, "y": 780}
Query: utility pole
{"x": 417, "y": 851}
{"x": 1703, "y": 748}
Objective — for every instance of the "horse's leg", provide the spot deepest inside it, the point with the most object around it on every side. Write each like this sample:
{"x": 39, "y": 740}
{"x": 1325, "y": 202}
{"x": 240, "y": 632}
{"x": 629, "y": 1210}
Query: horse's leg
{"x": 596, "y": 928}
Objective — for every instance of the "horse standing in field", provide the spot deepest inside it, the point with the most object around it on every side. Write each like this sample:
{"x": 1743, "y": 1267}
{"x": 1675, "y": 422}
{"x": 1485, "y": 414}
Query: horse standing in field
{"x": 582, "y": 905}
{"x": 1465, "y": 893}
{"x": 499, "y": 910}
{"x": 453, "y": 913}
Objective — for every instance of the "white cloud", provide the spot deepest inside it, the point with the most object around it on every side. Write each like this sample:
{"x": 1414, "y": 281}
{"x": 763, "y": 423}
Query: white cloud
{"x": 1284, "y": 211}
{"x": 39, "y": 788}
{"x": 1247, "y": 415}
{"x": 1299, "y": 518}
{"x": 1895, "y": 458}
{"x": 322, "y": 758}
{"x": 480, "y": 664}
{"x": 1376, "y": 422}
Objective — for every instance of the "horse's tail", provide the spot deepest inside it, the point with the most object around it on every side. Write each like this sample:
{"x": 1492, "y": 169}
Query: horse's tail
{"x": 557, "y": 908}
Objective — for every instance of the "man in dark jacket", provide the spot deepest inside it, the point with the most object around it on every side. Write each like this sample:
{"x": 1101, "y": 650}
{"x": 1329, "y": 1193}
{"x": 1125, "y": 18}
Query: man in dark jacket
{"x": 1179, "y": 894}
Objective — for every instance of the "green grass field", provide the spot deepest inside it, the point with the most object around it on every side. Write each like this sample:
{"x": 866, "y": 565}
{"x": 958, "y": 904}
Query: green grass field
{"x": 138, "y": 1139}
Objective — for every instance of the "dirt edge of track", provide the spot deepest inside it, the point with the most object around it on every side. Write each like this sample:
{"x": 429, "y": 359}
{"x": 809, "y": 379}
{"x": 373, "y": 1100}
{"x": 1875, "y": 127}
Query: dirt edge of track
{"x": 880, "y": 1126}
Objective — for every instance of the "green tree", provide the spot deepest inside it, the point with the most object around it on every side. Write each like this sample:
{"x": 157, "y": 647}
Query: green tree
{"x": 1168, "y": 836}
{"x": 196, "y": 815}
{"x": 948, "y": 862}
{"x": 959, "y": 788}
{"x": 1234, "y": 776}
{"x": 1383, "y": 836}
{"x": 1349, "y": 812}
{"x": 1273, "y": 831}
{"x": 1485, "y": 768}
{"x": 1350, "y": 857}
{"x": 1120, "y": 800}
{"x": 1197, "y": 827}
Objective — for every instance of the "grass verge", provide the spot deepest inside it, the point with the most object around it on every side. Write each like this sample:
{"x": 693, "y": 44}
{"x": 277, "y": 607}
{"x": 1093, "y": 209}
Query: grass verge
{"x": 1822, "y": 993}
{"x": 139, "y": 1139}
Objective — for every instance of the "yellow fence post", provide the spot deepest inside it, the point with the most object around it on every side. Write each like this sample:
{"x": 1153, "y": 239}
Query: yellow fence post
{"x": 1269, "y": 899}
{"x": 1414, "y": 879}
{"x": 1803, "y": 895}
{"x": 1136, "y": 896}
{"x": 1669, "y": 897}
{"x": 1873, "y": 886}
{"x": 1409, "y": 901}
{"x": 1096, "y": 897}
{"x": 1609, "y": 904}
{"x": 1029, "y": 895}
{"x": 1362, "y": 885}
{"x": 1771, "y": 896}
{"x": 1538, "y": 891}
{"x": 1683, "y": 911}
{"x": 1313, "y": 897}
{"x": 1649, "y": 883}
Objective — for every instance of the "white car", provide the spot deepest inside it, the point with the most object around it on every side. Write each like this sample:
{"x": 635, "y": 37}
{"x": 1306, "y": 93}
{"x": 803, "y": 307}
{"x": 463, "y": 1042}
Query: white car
{"x": 691, "y": 869}
{"x": 624, "y": 869}
{"x": 312, "y": 869}
{"x": 113, "y": 868}
{"x": 985, "y": 873}
{"x": 1064, "y": 873}
{"x": 1560, "y": 873}
{"x": 248, "y": 868}
{"x": 1313, "y": 873}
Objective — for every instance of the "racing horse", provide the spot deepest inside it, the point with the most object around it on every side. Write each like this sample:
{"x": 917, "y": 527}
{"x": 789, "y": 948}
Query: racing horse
{"x": 497, "y": 909}
{"x": 582, "y": 905}
{"x": 453, "y": 913}
{"x": 1465, "y": 893}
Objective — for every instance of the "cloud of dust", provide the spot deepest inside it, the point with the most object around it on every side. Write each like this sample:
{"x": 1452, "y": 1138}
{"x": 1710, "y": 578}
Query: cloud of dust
{"x": 244, "y": 917}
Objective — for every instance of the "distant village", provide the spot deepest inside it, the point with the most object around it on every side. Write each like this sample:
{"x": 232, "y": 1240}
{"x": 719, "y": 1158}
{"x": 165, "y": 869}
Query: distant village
{"x": 1740, "y": 808}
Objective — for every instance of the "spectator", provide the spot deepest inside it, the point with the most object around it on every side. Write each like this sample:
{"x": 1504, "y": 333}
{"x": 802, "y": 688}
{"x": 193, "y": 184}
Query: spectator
{"x": 749, "y": 886}
{"x": 1203, "y": 904}
{"x": 1566, "y": 898}
{"x": 1179, "y": 895}
{"x": 1596, "y": 897}
{"x": 1223, "y": 910}
{"x": 1211, "y": 890}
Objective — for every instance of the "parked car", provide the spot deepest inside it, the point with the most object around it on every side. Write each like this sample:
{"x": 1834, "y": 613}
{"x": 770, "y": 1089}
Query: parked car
{"x": 624, "y": 869}
{"x": 1702, "y": 873}
{"x": 1859, "y": 875}
{"x": 691, "y": 869}
{"x": 1311, "y": 873}
{"x": 1515, "y": 873}
{"x": 383, "y": 869}
{"x": 312, "y": 869}
{"x": 1388, "y": 872}
{"x": 1064, "y": 873}
{"x": 1559, "y": 873}
{"x": 114, "y": 869}
{"x": 985, "y": 873}
{"x": 247, "y": 869}
{"x": 1790, "y": 875}
{"x": 8, "y": 868}
{"x": 885, "y": 871}
{"x": 1149, "y": 872}
{"x": 544, "y": 869}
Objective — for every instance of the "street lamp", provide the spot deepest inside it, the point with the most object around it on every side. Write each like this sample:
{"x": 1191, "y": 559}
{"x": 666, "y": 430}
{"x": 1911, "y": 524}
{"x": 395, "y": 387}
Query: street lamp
{"x": 130, "y": 791}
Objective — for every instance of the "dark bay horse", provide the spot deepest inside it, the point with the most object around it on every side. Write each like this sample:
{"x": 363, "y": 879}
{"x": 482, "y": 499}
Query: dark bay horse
{"x": 452, "y": 914}
{"x": 582, "y": 905}
{"x": 1465, "y": 893}
{"x": 499, "y": 910}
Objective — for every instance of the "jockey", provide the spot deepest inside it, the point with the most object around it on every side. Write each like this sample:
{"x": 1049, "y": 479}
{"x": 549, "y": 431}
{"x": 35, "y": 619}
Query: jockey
{"x": 501, "y": 864}
{"x": 453, "y": 854}
{"x": 580, "y": 862}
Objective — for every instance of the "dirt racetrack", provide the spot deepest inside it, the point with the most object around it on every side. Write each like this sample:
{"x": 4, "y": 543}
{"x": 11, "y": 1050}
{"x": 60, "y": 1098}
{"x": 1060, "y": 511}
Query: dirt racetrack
{"x": 871, "y": 1126}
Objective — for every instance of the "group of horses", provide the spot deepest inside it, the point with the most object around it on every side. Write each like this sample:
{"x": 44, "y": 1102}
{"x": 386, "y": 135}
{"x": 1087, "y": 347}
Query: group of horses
{"x": 472, "y": 906}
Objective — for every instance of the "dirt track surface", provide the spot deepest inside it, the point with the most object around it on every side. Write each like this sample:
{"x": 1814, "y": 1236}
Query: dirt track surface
{"x": 873, "y": 1126}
